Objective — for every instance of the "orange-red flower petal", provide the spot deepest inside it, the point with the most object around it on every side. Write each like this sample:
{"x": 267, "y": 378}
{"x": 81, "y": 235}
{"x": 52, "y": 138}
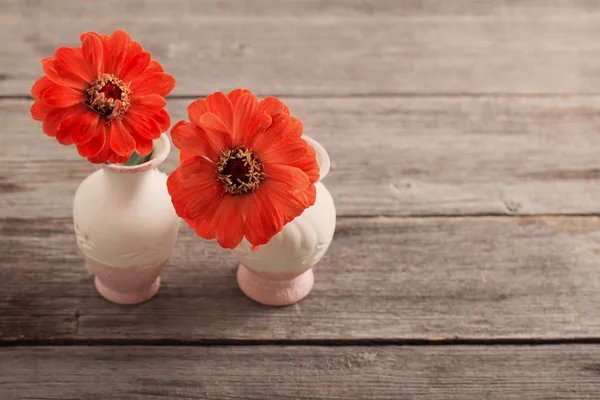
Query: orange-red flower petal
{"x": 120, "y": 140}
{"x": 71, "y": 59}
{"x": 235, "y": 94}
{"x": 216, "y": 133}
{"x": 276, "y": 132}
{"x": 93, "y": 54}
{"x": 136, "y": 66}
{"x": 244, "y": 112}
{"x": 39, "y": 110}
{"x": 62, "y": 76}
{"x": 119, "y": 44}
{"x": 85, "y": 128}
{"x": 271, "y": 105}
{"x": 219, "y": 104}
{"x": 284, "y": 152}
{"x": 40, "y": 86}
{"x": 63, "y": 118}
{"x": 229, "y": 227}
{"x": 92, "y": 147}
{"x": 263, "y": 219}
{"x": 159, "y": 83}
{"x": 192, "y": 138}
{"x": 62, "y": 96}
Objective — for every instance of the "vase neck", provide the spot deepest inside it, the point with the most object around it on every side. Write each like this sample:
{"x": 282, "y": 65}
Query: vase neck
{"x": 125, "y": 184}
{"x": 126, "y": 180}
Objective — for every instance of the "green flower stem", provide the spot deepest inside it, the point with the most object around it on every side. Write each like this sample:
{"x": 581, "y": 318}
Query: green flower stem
{"x": 136, "y": 159}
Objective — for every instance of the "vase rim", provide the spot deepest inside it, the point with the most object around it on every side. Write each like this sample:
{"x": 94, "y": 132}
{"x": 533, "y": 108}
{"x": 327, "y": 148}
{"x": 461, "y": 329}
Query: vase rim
{"x": 322, "y": 157}
{"x": 160, "y": 152}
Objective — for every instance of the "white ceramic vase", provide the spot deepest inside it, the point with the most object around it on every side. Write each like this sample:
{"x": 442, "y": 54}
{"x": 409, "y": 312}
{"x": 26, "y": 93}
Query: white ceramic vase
{"x": 126, "y": 227}
{"x": 281, "y": 272}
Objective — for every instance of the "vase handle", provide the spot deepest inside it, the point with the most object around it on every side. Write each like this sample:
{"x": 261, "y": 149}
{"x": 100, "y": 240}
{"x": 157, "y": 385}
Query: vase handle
{"x": 322, "y": 157}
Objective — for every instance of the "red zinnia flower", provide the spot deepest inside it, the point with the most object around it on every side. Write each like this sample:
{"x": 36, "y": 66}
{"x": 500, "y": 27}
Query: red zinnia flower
{"x": 245, "y": 170}
{"x": 106, "y": 97}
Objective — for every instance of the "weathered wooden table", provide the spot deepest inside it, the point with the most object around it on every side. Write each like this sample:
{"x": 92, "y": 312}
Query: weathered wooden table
{"x": 465, "y": 140}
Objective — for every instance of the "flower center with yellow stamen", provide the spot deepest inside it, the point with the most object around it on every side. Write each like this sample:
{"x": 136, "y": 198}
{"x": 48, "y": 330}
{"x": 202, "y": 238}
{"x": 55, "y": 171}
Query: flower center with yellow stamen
{"x": 108, "y": 95}
{"x": 239, "y": 171}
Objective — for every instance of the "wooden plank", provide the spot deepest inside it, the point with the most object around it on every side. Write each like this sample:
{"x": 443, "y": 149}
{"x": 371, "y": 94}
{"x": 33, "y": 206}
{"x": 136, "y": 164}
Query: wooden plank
{"x": 391, "y": 156}
{"x": 389, "y": 279}
{"x": 331, "y": 373}
{"x": 314, "y": 48}
{"x": 182, "y": 9}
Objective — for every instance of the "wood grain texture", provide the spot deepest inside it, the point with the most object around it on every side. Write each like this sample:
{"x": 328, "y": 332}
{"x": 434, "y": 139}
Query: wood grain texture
{"x": 178, "y": 9}
{"x": 334, "y": 373}
{"x": 457, "y": 111}
{"x": 391, "y": 156}
{"x": 390, "y": 279}
{"x": 317, "y": 47}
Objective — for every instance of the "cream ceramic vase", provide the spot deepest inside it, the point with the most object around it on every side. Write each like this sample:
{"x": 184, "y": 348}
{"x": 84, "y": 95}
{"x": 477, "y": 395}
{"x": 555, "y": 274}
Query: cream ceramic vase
{"x": 126, "y": 227}
{"x": 281, "y": 272}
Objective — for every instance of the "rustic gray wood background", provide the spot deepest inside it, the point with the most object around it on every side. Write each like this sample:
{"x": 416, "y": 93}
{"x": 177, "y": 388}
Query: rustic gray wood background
{"x": 465, "y": 140}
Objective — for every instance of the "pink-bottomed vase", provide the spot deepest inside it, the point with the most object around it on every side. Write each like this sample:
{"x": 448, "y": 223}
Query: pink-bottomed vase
{"x": 126, "y": 227}
{"x": 280, "y": 273}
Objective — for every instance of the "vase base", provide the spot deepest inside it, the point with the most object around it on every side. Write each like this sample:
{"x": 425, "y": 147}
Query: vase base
{"x": 271, "y": 292}
{"x": 127, "y": 298}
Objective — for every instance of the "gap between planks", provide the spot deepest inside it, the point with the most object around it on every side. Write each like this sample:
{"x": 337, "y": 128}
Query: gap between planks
{"x": 305, "y": 342}
{"x": 349, "y": 217}
{"x": 377, "y": 95}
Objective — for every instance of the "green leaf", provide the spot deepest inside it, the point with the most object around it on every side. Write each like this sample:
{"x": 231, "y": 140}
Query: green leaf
{"x": 133, "y": 160}
{"x": 148, "y": 157}
{"x": 136, "y": 159}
